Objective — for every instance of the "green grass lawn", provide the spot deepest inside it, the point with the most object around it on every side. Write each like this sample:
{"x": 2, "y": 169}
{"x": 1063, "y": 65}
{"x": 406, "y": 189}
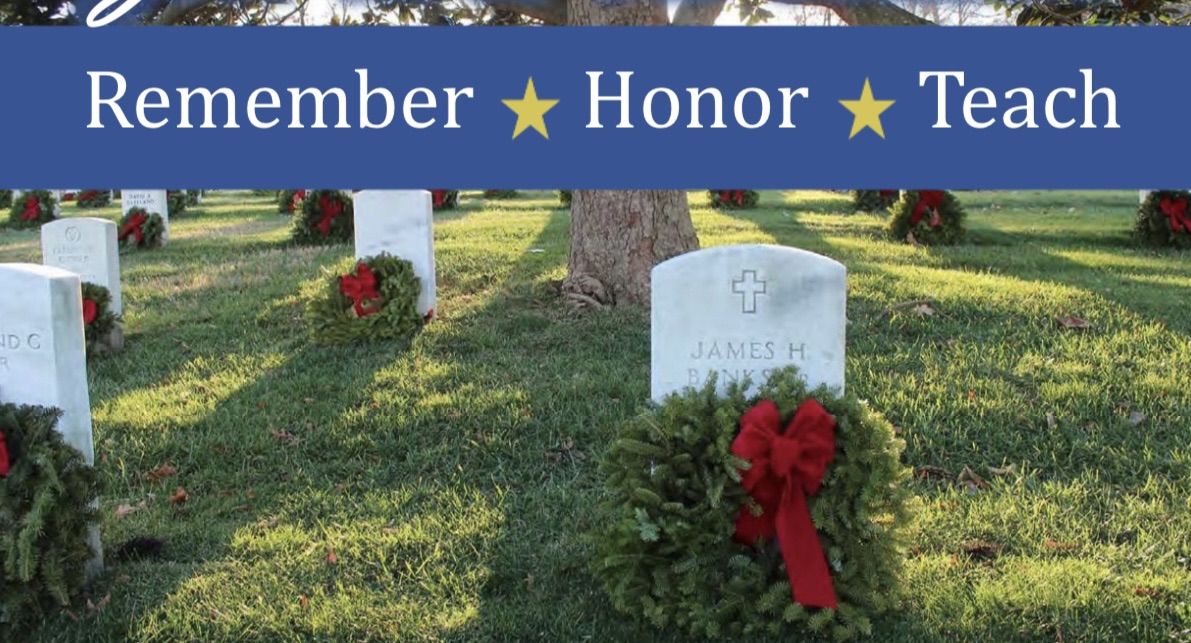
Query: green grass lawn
{"x": 438, "y": 476}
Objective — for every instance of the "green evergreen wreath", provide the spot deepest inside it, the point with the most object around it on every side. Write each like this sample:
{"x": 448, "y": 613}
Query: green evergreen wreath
{"x": 5, "y": 199}
{"x": 192, "y": 197}
{"x": 565, "y": 196}
{"x": 664, "y": 547}
{"x": 370, "y": 300}
{"x": 500, "y": 194}
{"x": 98, "y": 318}
{"x": 873, "y": 200}
{"x": 934, "y": 217}
{"x": 176, "y": 201}
{"x": 733, "y": 199}
{"x": 32, "y": 209}
{"x": 327, "y": 217}
{"x": 288, "y": 201}
{"x": 46, "y": 513}
{"x": 444, "y": 199}
{"x": 1164, "y": 219}
{"x": 93, "y": 198}
{"x": 139, "y": 229}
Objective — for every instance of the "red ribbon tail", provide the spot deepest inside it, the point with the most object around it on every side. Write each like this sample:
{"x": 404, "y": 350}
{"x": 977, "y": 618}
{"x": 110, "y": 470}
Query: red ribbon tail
{"x": 806, "y": 565}
{"x": 3, "y": 456}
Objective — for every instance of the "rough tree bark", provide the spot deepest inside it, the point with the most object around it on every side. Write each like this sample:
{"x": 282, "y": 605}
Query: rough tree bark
{"x": 618, "y": 236}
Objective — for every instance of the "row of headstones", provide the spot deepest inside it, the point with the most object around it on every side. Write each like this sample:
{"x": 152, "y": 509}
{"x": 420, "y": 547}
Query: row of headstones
{"x": 737, "y": 312}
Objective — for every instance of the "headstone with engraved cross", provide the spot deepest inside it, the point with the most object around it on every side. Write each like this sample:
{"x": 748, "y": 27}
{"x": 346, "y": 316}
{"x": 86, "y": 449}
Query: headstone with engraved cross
{"x": 741, "y": 312}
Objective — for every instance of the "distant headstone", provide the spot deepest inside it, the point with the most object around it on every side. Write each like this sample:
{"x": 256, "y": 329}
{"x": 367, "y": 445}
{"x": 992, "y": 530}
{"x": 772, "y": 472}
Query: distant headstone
{"x": 401, "y": 223}
{"x": 43, "y": 358}
{"x": 86, "y": 246}
{"x": 1142, "y": 194}
{"x": 743, "y": 311}
{"x": 152, "y": 202}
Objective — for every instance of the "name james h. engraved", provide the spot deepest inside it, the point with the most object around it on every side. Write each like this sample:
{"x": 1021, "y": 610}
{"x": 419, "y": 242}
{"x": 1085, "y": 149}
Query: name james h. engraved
{"x": 745, "y": 350}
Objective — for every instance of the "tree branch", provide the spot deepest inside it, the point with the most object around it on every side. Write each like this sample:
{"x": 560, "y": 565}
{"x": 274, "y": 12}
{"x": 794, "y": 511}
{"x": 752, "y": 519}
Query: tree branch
{"x": 696, "y": 13}
{"x": 865, "y": 13}
{"x": 177, "y": 10}
{"x": 550, "y": 12}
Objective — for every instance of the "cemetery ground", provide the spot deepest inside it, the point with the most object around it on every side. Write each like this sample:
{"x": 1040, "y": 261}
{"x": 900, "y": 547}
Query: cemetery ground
{"x": 443, "y": 492}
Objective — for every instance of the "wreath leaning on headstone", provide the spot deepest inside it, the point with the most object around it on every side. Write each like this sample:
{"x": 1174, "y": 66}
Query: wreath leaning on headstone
{"x": 326, "y": 217}
{"x": 47, "y": 491}
{"x": 730, "y": 515}
{"x": 565, "y": 196}
{"x": 500, "y": 194}
{"x": 444, "y": 199}
{"x": 873, "y": 200}
{"x": 733, "y": 199}
{"x": 927, "y": 217}
{"x": 99, "y": 322}
{"x": 33, "y": 208}
{"x": 140, "y": 229}
{"x": 5, "y": 199}
{"x": 288, "y": 201}
{"x": 176, "y": 201}
{"x": 374, "y": 299}
{"x": 1164, "y": 219}
{"x": 93, "y": 198}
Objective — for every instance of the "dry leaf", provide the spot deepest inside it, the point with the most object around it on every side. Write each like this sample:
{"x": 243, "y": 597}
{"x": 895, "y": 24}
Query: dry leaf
{"x": 1136, "y": 417}
{"x": 96, "y": 607}
{"x": 124, "y": 510}
{"x": 1058, "y": 546}
{"x": 1051, "y": 422}
{"x": 973, "y": 481}
{"x": 332, "y": 558}
{"x": 924, "y": 310}
{"x": 1010, "y": 470}
{"x": 971, "y": 395}
{"x": 309, "y": 400}
{"x": 982, "y": 550}
{"x": 302, "y": 601}
{"x": 388, "y": 531}
{"x": 71, "y": 615}
{"x": 285, "y": 436}
{"x": 160, "y": 473}
{"x": 1146, "y": 592}
{"x": 123, "y": 579}
{"x": 930, "y": 472}
{"x": 1071, "y": 321}
{"x": 912, "y": 241}
{"x": 180, "y": 496}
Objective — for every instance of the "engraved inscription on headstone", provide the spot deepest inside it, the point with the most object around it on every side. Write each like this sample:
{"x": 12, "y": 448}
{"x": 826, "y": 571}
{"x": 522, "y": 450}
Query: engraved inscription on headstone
{"x": 748, "y": 287}
{"x": 88, "y": 247}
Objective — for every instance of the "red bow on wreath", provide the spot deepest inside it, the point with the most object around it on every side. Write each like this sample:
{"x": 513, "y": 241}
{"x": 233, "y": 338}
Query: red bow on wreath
{"x": 728, "y": 196}
{"x": 133, "y": 227}
{"x": 359, "y": 288}
{"x": 1176, "y": 209}
{"x": 3, "y": 456}
{"x": 90, "y": 311}
{"x": 928, "y": 200}
{"x": 440, "y": 196}
{"x": 786, "y": 468}
{"x": 32, "y": 209}
{"x": 331, "y": 208}
{"x": 886, "y": 193}
{"x": 88, "y": 195}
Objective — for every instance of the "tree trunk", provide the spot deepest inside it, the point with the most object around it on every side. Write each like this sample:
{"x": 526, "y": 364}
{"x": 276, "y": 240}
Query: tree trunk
{"x": 617, "y": 236}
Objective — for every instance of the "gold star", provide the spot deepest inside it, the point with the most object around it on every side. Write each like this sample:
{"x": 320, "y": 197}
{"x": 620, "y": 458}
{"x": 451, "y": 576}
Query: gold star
{"x": 867, "y": 112}
{"x": 530, "y": 110}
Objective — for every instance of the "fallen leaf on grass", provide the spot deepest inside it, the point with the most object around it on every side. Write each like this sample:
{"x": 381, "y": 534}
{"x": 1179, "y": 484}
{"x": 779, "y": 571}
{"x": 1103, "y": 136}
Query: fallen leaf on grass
{"x": 1055, "y": 545}
{"x": 982, "y": 550}
{"x": 123, "y": 579}
{"x": 1010, "y": 470}
{"x": 1146, "y": 592}
{"x": 103, "y": 602}
{"x": 930, "y": 472}
{"x": 302, "y": 601}
{"x": 1136, "y": 417}
{"x": 1071, "y": 321}
{"x": 912, "y": 241}
{"x": 285, "y": 436}
{"x": 160, "y": 473}
{"x": 924, "y": 310}
{"x": 332, "y": 558}
{"x": 180, "y": 496}
{"x": 1051, "y": 422}
{"x": 566, "y": 450}
{"x": 124, "y": 510}
{"x": 973, "y": 481}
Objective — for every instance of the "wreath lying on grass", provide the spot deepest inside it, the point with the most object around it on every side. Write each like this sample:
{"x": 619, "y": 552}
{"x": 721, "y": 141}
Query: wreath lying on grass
{"x": 376, "y": 299}
{"x": 1164, "y": 218}
{"x": 500, "y": 194}
{"x": 682, "y": 521}
{"x": 927, "y": 217}
{"x": 32, "y": 209}
{"x": 326, "y": 218}
{"x": 176, "y": 201}
{"x": 5, "y": 199}
{"x": 733, "y": 199}
{"x": 873, "y": 200}
{"x": 47, "y": 491}
{"x": 565, "y": 196}
{"x": 139, "y": 229}
{"x": 93, "y": 198}
{"x": 98, "y": 319}
{"x": 445, "y": 199}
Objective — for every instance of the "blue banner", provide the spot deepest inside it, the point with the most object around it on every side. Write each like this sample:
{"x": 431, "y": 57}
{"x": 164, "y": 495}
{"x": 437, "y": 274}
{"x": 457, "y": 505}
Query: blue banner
{"x": 596, "y": 108}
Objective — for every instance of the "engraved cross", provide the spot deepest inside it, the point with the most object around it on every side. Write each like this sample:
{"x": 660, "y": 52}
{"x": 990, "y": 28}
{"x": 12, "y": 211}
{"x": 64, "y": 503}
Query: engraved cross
{"x": 748, "y": 287}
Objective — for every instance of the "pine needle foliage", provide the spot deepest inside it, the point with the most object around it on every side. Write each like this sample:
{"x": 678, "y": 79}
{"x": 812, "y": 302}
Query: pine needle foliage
{"x": 664, "y": 544}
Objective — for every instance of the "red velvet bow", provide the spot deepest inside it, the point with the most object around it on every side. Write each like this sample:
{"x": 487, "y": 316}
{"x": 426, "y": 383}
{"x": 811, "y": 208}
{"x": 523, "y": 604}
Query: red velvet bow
{"x": 299, "y": 196}
{"x": 32, "y": 209}
{"x": 930, "y": 200}
{"x": 728, "y": 196}
{"x": 3, "y": 456}
{"x": 90, "y": 311}
{"x": 88, "y": 195}
{"x": 1176, "y": 209}
{"x": 133, "y": 227}
{"x": 786, "y": 468}
{"x": 359, "y": 288}
{"x": 331, "y": 208}
{"x": 440, "y": 196}
{"x": 886, "y": 193}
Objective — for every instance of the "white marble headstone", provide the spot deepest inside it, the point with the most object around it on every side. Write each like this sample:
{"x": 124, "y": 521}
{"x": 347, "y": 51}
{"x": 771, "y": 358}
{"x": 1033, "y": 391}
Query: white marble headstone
{"x": 151, "y": 201}
{"x": 86, "y": 246}
{"x": 43, "y": 358}
{"x": 401, "y": 223}
{"x": 744, "y": 311}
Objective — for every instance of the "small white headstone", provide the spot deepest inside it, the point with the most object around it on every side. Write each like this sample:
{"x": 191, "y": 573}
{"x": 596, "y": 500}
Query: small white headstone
{"x": 744, "y": 311}
{"x": 152, "y": 202}
{"x": 401, "y": 223}
{"x": 43, "y": 359}
{"x": 86, "y": 246}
